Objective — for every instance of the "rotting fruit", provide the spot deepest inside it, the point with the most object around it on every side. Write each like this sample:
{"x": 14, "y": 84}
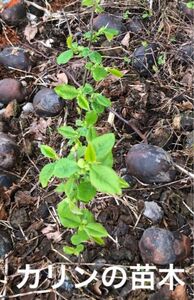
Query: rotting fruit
{"x": 47, "y": 103}
{"x": 8, "y": 151}
{"x": 11, "y": 89}
{"x": 109, "y": 21}
{"x": 144, "y": 58}
{"x": 14, "y": 12}
{"x": 14, "y": 57}
{"x": 150, "y": 164}
{"x": 162, "y": 247}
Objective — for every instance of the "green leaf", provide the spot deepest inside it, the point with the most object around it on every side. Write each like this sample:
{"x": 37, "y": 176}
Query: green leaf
{"x": 107, "y": 160}
{"x": 103, "y": 145}
{"x": 73, "y": 250}
{"x": 190, "y": 4}
{"x": 48, "y": 152}
{"x": 88, "y": 3}
{"x": 90, "y": 154}
{"x": 110, "y": 33}
{"x": 123, "y": 183}
{"x": 115, "y": 72}
{"x": 105, "y": 180}
{"x": 64, "y": 57}
{"x": 46, "y": 174}
{"x": 98, "y": 241}
{"x": 70, "y": 188}
{"x": 66, "y": 91}
{"x": 67, "y": 218}
{"x": 88, "y": 216}
{"x": 85, "y": 192}
{"x": 65, "y": 168}
{"x": 91, "y": 118}
{"x": 60, "y": 188}
{"x": 91, "y": 134}
{"x": 87, "y": 89}
{"x": 83, "y": 102}
{"x": 96, "y": 230}
{"x": 95, "y": 57}
{"x": 102, "y": 100}
{"x": 79, "y": 237}
{"x": 69, "y": 41}
{"x": 68, "y": 132}
{"x": 99, "y": 73}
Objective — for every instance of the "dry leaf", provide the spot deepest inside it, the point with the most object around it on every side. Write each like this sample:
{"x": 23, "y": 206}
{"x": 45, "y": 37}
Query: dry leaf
{"x": 39, "y": 127}
{"x": 125, "y": 40}
{"x": 3, "y": 214}
{"x": 62, "y": 78}
{"x": 185, "y": 105}
{"x": 51, "y": 234}
{"x": 177, "y": 122}
{"x": 30, "y": 32}
{"x": 11, "y": 110}
{"x": 180, "y": 293}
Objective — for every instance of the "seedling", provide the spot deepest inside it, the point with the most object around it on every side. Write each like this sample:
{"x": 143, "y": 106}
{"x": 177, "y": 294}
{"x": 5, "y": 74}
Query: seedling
{"x": 88, "y": 166}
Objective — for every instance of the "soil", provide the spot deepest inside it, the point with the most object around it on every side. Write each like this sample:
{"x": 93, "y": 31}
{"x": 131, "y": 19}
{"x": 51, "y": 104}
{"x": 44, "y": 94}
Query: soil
{"x": 159, "y": 108}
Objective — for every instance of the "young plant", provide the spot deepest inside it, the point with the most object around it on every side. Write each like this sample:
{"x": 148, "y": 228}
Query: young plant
{"x": 88, "y": 166}
{"x": 190, "y": 4}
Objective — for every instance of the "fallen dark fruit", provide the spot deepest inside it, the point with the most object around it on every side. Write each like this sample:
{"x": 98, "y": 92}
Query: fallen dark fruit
{"x": 14, "y": 57}
{"x": 8, "y": 151}
{"x": 5, "y": 243}
{"x": 7, "y": 179}
{"x": 14, "y": 12}
{"x": 35, "y": 10}
{"x": 187, "y": 52}
{"x": 162, "y": 247}
{"x": 11, "y": 89}
{"x": 144, "y": 58}
{"x": 109, "y": 21}
{"x": 47, "y": 103}
{"x": 150, "y": 164}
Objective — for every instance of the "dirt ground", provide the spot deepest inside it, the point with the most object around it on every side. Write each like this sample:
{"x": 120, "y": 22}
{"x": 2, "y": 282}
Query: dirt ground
{"x": 160, "y": 108}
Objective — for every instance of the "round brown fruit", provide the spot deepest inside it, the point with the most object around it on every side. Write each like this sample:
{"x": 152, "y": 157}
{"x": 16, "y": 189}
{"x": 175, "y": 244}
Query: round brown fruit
{"x": 144, "y": 58}
{"x": 11, "y": 89}
{"x": 8, "y": 151}
{"x": 47, "y": 103}
{"x": 150, "y": 164}
{"x": 109, "y": 21}
{"x": 161, "y": 247}
{"x": 14, "y": 57}
{"x": 14, "y": 12}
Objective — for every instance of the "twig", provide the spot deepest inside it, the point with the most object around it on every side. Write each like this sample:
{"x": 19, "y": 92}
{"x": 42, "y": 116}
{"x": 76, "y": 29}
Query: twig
{"x": 129, "y": 123}
{"x": 184, "y": 171}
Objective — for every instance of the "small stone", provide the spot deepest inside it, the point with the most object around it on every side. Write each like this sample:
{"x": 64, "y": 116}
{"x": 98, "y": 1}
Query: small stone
{"x": 9, "y": 151}
{"x": 14, "y": 57}
{"x": 144, "y": 58}
{"x": 109, "y": 21}
{"x": 14, "y": 12}
{"x": 47, "y": 103}
{"x": 153, "y": 211}
{"x": 150, "y": 164}
{"x": 28, "y": 108}
{"x": 5, "y": 243}
{"x": 11, "y": 89}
